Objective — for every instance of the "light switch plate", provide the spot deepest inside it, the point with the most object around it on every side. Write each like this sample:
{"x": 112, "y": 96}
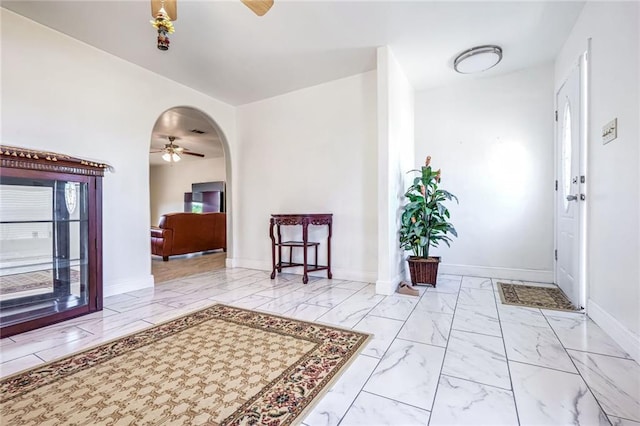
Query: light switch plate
{"x": 610, "y": 131}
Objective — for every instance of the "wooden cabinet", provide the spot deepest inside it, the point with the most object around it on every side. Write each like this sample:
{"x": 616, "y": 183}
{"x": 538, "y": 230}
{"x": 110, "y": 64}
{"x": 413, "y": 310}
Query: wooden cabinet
{"x": 50, "y": 238}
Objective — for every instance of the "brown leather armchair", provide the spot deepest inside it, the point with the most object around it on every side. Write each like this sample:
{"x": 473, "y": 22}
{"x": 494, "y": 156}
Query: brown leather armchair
{"x": 182, "y": 233}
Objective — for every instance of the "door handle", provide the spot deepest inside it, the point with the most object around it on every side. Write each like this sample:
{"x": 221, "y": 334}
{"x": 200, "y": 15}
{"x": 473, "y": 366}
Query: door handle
{"x": 572, "y": 198}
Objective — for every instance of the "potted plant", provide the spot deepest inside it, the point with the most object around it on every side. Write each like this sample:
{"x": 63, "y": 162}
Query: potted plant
{"x": 425, "y": 223}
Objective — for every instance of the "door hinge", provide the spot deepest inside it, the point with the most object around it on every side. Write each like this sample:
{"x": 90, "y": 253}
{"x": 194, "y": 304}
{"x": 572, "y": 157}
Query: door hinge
{"x": 556, "y": 115}
{"x": 555, "y": 254}
{"x": 556, "y": 184}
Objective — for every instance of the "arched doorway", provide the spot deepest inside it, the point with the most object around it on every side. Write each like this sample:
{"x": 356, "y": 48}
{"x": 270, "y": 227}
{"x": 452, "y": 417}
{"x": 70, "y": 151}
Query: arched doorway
{"x": 189, "y": 185}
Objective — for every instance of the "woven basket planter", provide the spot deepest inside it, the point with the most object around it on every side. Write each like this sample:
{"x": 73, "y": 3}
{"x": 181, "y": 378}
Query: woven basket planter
{"x": 423, "y": 270}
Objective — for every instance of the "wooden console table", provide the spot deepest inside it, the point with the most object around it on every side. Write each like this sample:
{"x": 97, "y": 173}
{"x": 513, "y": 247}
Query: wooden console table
{"x": 305, "y": 220}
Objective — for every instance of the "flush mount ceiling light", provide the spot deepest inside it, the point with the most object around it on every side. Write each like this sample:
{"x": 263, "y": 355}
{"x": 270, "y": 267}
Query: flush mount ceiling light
{"x": 478, "y": 59}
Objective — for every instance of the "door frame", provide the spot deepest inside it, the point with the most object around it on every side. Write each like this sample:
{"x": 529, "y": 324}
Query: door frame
{"x": 583, "y": 64}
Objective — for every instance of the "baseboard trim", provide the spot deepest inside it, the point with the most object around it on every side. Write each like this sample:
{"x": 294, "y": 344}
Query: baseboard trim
{"x": 627, "y": 340}
{"x": 251, "y": 264}
{"x": 388, "y": 287}
{"x": 338, "y": 273}
{"x": 532, "y": 275}
{"x": 126, "y": 285}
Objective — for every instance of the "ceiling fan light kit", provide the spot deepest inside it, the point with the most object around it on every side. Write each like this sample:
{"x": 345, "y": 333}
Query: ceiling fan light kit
{"x": 172, "y": 153}
{"x": 478, "y": 59}
{"x": 171, "y": 157}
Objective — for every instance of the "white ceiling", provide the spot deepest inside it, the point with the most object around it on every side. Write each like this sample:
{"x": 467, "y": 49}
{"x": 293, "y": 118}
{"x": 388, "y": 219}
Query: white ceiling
{"x": 180, "y": 122}
{"x": 222, "y": 49}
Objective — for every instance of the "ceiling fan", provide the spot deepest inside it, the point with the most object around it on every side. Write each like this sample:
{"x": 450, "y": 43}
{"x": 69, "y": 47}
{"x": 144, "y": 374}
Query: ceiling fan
{"x": 172, "y": 152}
{"x": 259, "y": 7}
{"x": 164, "y": 12}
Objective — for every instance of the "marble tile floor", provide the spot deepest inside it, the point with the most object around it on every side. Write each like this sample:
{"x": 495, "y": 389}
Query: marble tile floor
{"x": 452, "y": 356}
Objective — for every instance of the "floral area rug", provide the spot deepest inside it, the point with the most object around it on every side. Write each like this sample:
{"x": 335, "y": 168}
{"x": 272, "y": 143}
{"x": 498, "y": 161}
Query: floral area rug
{"x": 535, "y": 297}
{"x": 218, "y": 366}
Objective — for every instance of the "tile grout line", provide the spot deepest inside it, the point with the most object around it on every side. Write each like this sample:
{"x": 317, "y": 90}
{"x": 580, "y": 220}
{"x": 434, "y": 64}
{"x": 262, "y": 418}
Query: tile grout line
{"x": 361, "y": 390}
{"x": 379, "y": 359}
{"x": 349, "y": 297}
{"x": 435, "y": 394}
{"x": 393, "y": 319}
{"x": 545, "y": 367}
{"x": 577, "y": 369}
{"x": 395, "y": 400}
{"x": 598, "y": 353}
{"x": 580, "y": 350}
{"x": 419, "y": 343}
{"x": 474, "y": 381}
{"x": 619, "y": 417}
{"x": 506, "y": 355}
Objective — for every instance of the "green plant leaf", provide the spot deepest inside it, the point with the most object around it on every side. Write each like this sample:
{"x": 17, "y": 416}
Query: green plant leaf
{"x": 425, "y": 218}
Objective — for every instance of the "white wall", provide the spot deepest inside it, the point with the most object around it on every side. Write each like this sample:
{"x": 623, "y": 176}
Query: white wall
{"x": 168, "y": 183}
{"x": 312, "y": 151}
{"x": 493, "y": 140}
{"x": 395, "y": 158}
{"x": 613, "y": 193}
{"x": 62, "y": 95}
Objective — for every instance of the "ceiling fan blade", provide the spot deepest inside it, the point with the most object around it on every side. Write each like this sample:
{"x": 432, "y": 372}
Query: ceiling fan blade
{"x": 170, "y": 6}
{"x": 192, "y": 153}
{"x": 259, "y": 7}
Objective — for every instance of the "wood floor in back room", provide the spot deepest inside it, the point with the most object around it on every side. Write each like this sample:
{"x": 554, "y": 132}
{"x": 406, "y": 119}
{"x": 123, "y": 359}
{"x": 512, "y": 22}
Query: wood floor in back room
{"x": 185, "y": 265}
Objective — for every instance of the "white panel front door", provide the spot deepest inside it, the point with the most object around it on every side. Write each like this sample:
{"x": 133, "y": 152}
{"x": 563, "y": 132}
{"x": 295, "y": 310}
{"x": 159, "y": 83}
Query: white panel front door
{"x": 568, "y": 128}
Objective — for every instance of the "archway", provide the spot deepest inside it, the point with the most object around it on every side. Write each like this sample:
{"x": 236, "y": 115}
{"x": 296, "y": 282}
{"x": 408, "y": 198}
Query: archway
{"x": 189, "y": 174}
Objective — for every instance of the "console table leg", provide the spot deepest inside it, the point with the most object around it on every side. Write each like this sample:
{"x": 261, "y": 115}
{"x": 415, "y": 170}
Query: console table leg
{"x": 329, "y": 274}
{"x": 273, "y": 250}
{"x": 305, "y": 238}
{"x": 279, "y": 249}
